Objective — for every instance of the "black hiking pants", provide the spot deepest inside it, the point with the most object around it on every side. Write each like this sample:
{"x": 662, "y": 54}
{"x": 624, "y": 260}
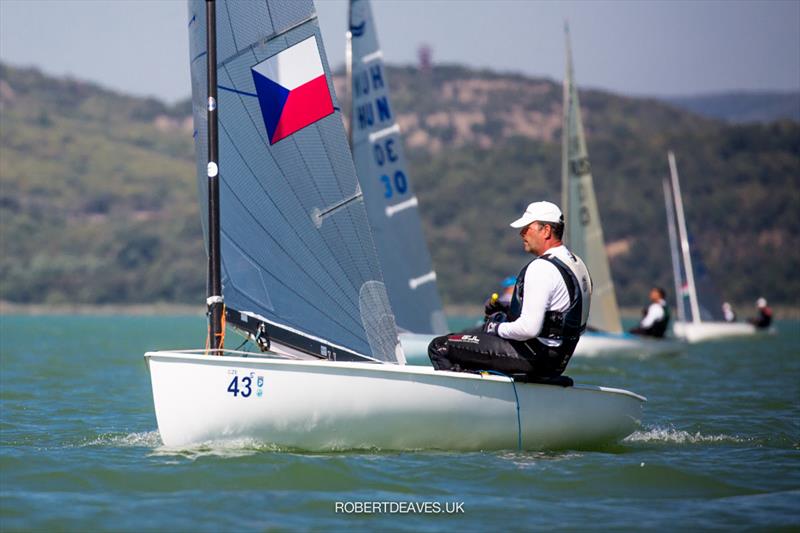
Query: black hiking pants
{"x": 474, "y": 350}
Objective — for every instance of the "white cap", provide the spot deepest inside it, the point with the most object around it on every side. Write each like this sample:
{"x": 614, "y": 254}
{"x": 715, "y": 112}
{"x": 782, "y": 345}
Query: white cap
{"x": 541, "y": 211}
{"x": 761, "y": 302}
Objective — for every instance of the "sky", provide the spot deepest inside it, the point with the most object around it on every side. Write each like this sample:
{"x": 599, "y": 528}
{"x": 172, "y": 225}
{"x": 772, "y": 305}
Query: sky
{"x": 634, "y": 47}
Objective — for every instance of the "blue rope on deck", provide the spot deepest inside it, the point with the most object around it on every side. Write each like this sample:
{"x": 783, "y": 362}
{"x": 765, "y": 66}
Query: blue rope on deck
{"x": 516, "y": 398}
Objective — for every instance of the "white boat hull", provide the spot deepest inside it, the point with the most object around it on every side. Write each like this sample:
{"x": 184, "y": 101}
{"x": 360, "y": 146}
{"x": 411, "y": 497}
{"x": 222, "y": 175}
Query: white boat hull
{"x": 705, "y": 331}
{"x": 625, "y": 345}
{"x": 324, "y": 405}
{"x": 415, "y": 346}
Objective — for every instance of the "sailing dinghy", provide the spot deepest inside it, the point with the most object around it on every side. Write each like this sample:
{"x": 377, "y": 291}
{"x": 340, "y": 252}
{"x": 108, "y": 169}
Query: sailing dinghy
{"x": 696, "y": 322}
{"x": 292, "y": 265}
{"x": 389, "y": 198}
{"x": 583, "y": 235}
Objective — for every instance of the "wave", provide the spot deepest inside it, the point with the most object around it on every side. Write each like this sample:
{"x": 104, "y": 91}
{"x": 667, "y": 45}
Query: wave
{"x": 670, "y": 435}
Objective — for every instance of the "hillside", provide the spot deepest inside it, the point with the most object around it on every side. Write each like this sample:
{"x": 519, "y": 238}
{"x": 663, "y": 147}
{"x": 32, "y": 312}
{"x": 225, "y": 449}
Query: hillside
{"x": 98, "y": 199}
{"x": 740, "y": 107}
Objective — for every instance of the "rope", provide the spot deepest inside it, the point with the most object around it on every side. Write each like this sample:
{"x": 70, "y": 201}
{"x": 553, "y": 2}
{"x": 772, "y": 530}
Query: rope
{"x": 221, "y": 334}
{"x": 516, "y": 398}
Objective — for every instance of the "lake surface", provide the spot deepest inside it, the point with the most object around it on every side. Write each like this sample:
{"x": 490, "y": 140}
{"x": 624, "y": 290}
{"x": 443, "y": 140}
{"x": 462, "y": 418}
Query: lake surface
{"x": 80, "y": 450}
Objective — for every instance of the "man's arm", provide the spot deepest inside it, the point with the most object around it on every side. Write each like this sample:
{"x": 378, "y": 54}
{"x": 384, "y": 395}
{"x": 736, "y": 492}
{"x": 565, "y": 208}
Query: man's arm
{"x": 538, "y": 288}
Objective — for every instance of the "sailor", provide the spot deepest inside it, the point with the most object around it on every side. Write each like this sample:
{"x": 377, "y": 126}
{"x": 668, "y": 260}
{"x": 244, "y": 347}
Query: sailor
{"x": 536, "y": 337}
{"x": 727, "y": 312}
{"x": 656, "y": 315}
{"x": 764, "y": 318}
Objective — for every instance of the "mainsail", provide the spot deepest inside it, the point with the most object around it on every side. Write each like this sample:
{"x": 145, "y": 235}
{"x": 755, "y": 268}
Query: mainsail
{"x": 698, "y": 299}
{"x": 677, "y": 275}
{"x": 388, "y": 193}
{"x": 584, "y": 232}
{"x": 297, "y": 253}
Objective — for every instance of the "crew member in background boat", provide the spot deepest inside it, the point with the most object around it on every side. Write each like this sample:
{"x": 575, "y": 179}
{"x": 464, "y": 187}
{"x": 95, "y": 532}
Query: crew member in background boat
{"x": 727, "y": 312}
{"x": 549, "y": 308}
{"x": 764, "y": 318}
{"x": 656, "y": 315}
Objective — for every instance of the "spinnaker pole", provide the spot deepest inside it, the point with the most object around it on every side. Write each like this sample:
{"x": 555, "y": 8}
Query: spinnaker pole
{"x": 214, "y": 301}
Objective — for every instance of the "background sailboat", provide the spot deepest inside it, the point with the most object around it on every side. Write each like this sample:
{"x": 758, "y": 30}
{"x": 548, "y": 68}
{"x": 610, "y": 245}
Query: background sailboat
{"x": 302, "y": 278}
{"x": 584, "y": 236}
{"x": 392, "y": 205}
{"x": 695, "y": 322}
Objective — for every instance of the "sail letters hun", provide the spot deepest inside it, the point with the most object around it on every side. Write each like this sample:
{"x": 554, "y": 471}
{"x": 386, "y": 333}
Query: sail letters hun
{"x": 292, "y": 89}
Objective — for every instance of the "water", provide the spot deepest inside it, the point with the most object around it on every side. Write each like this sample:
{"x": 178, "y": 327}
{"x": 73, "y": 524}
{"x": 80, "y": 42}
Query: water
{"x": 79, "y": 448}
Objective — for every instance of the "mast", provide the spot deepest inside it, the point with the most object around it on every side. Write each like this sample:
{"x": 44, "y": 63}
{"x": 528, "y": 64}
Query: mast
{"x": 687, "y": 258}
{"x": 214, "y": 301}
{"x": 348, "y": 83}
{"x": 565, "y": 130}
{"x": 348, "y": 76}
{"x": 673, "y": 250}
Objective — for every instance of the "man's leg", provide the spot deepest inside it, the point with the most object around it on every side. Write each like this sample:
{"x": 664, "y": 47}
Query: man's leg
{"x": 477, "y": 351}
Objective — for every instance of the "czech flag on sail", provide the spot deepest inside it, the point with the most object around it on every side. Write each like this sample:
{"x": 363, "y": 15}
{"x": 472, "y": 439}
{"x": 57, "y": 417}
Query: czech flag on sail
{"x": 292, "y": 89}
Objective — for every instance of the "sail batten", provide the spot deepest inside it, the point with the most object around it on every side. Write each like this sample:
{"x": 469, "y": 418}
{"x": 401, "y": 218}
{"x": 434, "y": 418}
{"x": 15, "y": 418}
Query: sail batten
{"x": 583, "y": 233}
{"x": 389, "y": 197}
{"x": 283, "y": 158}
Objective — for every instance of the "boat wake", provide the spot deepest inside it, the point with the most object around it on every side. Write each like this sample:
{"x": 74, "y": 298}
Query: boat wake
{"x": 143, "y": 439}
{"x": 670, "y": 435}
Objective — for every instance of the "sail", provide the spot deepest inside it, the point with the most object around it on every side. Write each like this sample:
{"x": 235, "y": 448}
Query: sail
{"x": 699, "y": 299}
{"x": 584, "y": 233}
{"x": 709, "y": 299}
{"x": 297, "y": 251}
{"x": 677, "y": 275}
{"x": 392, "y": 206}
{"x": 688, "y": 300}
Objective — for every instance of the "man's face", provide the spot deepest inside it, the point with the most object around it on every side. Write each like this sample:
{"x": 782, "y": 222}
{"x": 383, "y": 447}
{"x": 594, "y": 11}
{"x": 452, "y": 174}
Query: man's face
{"x": 534, "y": 236}
{"x": 655, "y": 297}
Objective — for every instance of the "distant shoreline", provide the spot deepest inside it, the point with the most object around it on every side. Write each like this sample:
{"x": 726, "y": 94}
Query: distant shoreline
{"x": 11, "y": 308}
{"x": 161, "y": 309}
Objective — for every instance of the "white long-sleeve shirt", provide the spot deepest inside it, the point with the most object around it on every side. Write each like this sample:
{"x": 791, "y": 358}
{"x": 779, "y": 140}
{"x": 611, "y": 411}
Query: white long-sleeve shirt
{"x": 545, "y": 290}
{"x": 654, "y": 313}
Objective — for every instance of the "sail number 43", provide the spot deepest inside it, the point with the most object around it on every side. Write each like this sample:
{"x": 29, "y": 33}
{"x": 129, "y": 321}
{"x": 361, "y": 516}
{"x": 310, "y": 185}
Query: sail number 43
{"x": 245, "y": 386}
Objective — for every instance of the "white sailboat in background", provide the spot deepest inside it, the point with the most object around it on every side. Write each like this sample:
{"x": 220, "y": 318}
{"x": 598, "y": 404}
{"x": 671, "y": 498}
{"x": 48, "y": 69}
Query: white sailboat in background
{"x": 694, "y": 324}
{"x": 293, "y": 265}
{"x": 389, "y": 197}
{"x": 584, "y": 236}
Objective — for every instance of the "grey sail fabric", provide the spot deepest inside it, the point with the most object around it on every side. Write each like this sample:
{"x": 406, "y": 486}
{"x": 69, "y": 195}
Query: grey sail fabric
{"x": 584, "y": 233}
{"x": 680, "y": 292}
{"x": 296, "y": 246}
{"x": 699, "y": 298}
{"x": 708, "y": 296}
{"x": 388, "y": 193}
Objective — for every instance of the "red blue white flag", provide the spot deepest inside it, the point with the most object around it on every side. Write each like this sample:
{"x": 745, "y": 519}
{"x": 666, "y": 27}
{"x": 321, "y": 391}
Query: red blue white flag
{"x": 292, "y": 89}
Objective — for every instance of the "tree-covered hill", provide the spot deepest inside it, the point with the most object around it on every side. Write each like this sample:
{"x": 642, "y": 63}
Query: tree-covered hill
{"x": 98, "y": 200}
{"x": 743, "y": 106}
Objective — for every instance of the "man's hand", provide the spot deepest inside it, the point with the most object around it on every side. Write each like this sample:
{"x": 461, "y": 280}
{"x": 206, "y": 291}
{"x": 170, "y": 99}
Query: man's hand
{"x": 490, "y": 327}
{"x": 493, "y": 305}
